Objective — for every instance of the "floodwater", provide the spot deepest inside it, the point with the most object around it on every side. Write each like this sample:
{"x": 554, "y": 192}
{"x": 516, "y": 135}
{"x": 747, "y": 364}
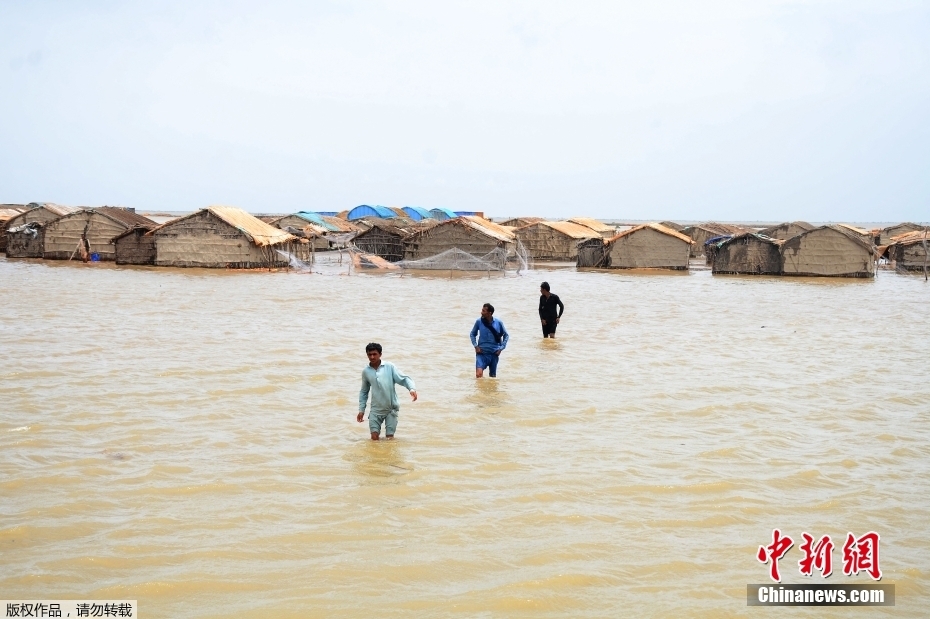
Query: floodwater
{"x": 187, "y": 438}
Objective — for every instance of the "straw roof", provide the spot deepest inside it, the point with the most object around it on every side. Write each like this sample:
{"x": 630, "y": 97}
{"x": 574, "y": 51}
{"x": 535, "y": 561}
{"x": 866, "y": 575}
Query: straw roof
{"x": 256, "y": 230}
{"x": 591, "y": 223}
{"x": 570, "y": 229}
{"x": 908, "y": 238}
{"x": 128, "y": 218}
{"x": 852, "y": 228}
{"x": 488, "y": 227}
{"x": 657, "y": 228}
{"x": 519, "y": 222}
{"x": 340, "y": 224}
{"x": 56, "y": 209}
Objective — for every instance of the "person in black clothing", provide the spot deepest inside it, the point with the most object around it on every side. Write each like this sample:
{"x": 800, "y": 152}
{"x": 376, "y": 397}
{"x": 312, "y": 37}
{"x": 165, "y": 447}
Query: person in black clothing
{"x": 548, "y": 315}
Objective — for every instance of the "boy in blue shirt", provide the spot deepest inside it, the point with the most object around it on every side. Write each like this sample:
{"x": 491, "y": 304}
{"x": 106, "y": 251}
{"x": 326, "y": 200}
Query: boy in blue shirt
{"x": 489, "y": 337}
{"x": 379, "y": 378}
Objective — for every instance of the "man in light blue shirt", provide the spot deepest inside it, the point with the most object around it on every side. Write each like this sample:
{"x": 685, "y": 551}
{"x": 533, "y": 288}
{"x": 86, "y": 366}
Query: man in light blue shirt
{"x": 379, "y": 379}
{"x": 489, "y": 337}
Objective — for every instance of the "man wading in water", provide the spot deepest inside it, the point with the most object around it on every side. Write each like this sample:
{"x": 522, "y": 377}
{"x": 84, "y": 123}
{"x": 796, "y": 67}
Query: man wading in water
{"x": 548, "y": 303}
{"x": 489, "y": 337}
{"x": 379, "y": 378}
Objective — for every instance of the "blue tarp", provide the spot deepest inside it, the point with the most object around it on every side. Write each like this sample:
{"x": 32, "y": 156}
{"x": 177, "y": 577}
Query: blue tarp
{"x": 365, "y": 210}
{"x": 416, "y": 213}
{"x": 442, "y": 214}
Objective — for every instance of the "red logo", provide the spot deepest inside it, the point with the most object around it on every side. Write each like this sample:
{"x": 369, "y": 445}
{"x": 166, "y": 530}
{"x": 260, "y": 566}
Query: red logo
{"x": 859, "y": 554}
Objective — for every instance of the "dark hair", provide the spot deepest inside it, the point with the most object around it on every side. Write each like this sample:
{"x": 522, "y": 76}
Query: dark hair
{"x": 545, "y": 286}
{"x": 489, "y": 306}
{"x": 372, "y": 346}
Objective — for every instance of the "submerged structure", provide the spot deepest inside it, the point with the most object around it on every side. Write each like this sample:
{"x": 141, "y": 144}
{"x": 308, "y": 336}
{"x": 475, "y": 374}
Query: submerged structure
{"x": 909, "y": 250}
{"x": 593, "y": 253}
{"x": 8, "y": 212}
{"x": 382, "y": 239}
{"x": 886, "y": 235}
{"x": 649, "y": 246}
{"x": 92, "y": 228}
{"x": 554, "y": 240}
{"x": 828, "y": 251}
{"x": 25, "y": 233}
{"x": 746, "y": 254}
{"x": 470, "y": 234}
{"x": 220, "y": 236}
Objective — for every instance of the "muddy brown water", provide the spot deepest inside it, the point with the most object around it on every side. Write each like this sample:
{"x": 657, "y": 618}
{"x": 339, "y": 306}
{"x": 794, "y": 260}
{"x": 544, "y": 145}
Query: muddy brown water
{"x": 187, "y": 438}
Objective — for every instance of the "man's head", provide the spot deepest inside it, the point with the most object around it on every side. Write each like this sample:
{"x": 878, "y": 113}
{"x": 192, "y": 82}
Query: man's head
{"x": 544, "y": 288}
{"x": 373, "y": 351}
{"x": 487, "y": 311}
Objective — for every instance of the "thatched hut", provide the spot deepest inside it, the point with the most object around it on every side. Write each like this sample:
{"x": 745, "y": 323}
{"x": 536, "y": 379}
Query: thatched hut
{"x": 701, "y": 233}
{"x": 747, "y": 254}
{"x": 886, "y": 235}
{"x": 909, "y": 250}
{"x": 649, "y": 246}
{"x": 519, "y": 222}
{"x": 8, "y": 212}
{"x": 382, "y": 239}
{"x": 671, "y": 225}
{"x": 602, "y": 229}
{"x": 554, "y": 240}
{"x": 95, "y": 228}
{"x": 786, "y": 230}
{"x": 473, "y": 235}
{"x": 308, "y": 226}
{"x": 593, "y": 253}
{"x": 218, "y": 237}
{"x": 337, "y": 224}
{"x": 25, "y": 233}
{"x": 862, "y": 233}
{"x": 134, "y": 246}
{"x": 828, "y": 251}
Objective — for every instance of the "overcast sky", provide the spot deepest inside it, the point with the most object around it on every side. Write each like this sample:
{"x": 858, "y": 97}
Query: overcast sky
{"x": 753, "y": 110}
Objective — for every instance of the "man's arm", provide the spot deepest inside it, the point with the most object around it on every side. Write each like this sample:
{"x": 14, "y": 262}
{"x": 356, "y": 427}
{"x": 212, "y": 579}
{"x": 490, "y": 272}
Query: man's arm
{"x": 506, "y": 335}
{"x": 558, "y": 302}
{"x": 474, "y": 337}
{"x": 406, "y": 381}
{"x": 363, "y": 397}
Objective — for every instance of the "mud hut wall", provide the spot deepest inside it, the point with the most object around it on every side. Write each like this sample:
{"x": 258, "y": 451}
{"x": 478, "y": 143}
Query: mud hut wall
{"x": 592, "y": 253}
{"x": 384, "y": 243}
{"x": 748, "y": 256}
{"x": 884, "y": 237}
{"x": 63, "y": 235}
{"x": 441, "y": 238}
{"x": 649, "y": 249}
{"x": 699, "y": 235}
{"x": 135, "y": 248}
{"x": 826, "y": 252}
{"x": 784, "y": 231}
{"x": 204, "y": 240}
{"x": 24, "y": 245}
{"x": 545, "y": 243}
{"x": 910, "y": 257}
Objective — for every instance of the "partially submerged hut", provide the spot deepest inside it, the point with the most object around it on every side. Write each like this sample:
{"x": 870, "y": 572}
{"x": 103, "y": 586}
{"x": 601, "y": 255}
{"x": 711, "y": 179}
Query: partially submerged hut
{"x": 135, "y": 246}
{"x": 94, "y": 228}
{"x": 649, "y": 246}
{"x": 25, "y": 233}
{"x": 593, "y": 253}
{"x": 886, "y": 235}
{"x": 554, "y": 240}
{"x": 602, "y": 229}
{"x": 473, "y": 235}
{"x": 309, "y": 226}
{"x": 382, "y": 239}
{"x": 748, "y": 253}
{"x": 8, "y": 212}
{"x": 828, "y": 251}
{"x": 220, "y": 236}
{"x": 787, "y": 230}
{"x": 701, "y": 233}
{"x": 909, "y": 250}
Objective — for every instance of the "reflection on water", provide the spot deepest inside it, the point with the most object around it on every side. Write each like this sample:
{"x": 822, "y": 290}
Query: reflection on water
{"x": 187, "y": 438}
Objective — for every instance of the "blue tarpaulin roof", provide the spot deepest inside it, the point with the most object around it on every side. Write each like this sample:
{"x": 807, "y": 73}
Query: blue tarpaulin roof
{"x": 443, "y": 214}
{"x": 416, "y": 213}
{"x": 365, "y": 210}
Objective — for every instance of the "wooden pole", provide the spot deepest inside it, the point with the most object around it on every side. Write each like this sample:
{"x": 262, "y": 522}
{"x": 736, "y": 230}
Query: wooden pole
{"x": 926, "y": 254}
